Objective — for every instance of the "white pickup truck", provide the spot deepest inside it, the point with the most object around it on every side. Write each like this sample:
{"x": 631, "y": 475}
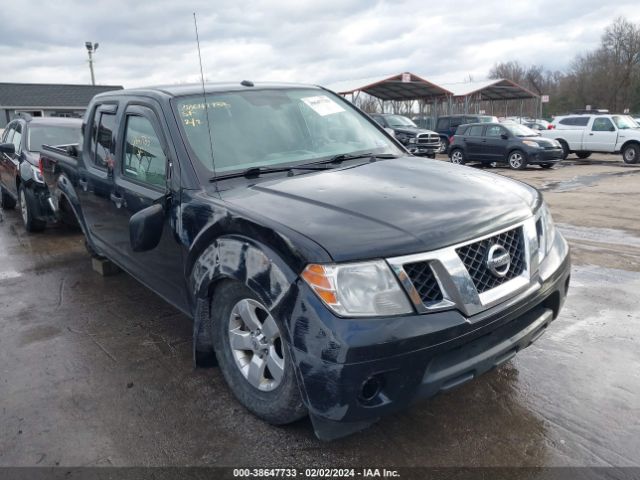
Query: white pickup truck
{"x": 602, "y": 133}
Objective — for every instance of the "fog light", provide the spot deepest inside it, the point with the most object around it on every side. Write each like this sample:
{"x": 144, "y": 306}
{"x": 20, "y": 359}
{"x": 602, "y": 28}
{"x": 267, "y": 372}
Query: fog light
{"x": 370, "y": 389}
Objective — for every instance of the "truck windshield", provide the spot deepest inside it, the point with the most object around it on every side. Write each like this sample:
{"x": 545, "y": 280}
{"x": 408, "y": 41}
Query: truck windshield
{"x": 624, "y": 122}
{"x": 399, "y": 121}
{"x": 275, "y": 127}
{"x": 52, "y": 135}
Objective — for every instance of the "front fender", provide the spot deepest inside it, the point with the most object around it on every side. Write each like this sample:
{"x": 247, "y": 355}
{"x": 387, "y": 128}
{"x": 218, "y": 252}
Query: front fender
{"x": 249, "y": 262}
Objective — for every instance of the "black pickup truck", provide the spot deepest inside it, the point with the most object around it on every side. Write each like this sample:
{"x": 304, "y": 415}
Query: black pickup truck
{"x": 329, "y": 272}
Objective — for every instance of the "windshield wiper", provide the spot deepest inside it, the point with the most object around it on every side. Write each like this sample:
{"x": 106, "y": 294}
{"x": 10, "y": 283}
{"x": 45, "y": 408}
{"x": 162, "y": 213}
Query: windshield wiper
{"x": 255, "y": 172}
{"x": 348, "y": 156}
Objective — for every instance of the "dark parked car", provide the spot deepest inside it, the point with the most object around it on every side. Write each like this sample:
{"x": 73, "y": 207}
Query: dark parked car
{"x": 509, "y": 143}
{"x": 417, "y": 140}
{"x": 330, "y": 272}
{"x": 447, "y": 124}
{"x": 20, "y": 168}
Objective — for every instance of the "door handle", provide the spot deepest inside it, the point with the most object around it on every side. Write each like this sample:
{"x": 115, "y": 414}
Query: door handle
{"x": 117, "y": 200}
{"x": 591, "y": 134}
{"x": 484, "y": 140}
{"x": 83, "y": 183}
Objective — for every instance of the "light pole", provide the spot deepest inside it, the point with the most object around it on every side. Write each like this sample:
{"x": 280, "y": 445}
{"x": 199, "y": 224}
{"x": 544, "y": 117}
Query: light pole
{"x": 91, "y": 48}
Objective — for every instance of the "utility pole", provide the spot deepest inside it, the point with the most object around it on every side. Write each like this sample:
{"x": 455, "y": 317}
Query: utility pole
{"x": 91, "y": 48}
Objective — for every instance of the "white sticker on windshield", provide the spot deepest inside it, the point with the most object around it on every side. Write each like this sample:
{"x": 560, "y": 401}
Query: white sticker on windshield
{"x": 322, "y": 105}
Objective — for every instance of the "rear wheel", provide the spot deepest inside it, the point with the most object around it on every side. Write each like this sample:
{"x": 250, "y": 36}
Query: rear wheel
{"x": 8, "y": 202}
{"x": 253, "y": 355}
{"x": 457, "y": 157}
{"x": 631, "y": 154}
{"x": 583, "y": 154}
{"x": 27, "y": 209}
{"x": 517, "y": 160}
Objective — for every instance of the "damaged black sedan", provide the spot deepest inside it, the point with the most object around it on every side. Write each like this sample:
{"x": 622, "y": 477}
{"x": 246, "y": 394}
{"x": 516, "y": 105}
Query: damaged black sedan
{"x": 331, "y": 273}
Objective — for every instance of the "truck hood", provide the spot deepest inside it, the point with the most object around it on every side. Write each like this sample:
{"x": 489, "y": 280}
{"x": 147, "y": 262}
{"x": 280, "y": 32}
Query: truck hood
{"x": 389, "y": 207}
{"x": 411, "y": 131}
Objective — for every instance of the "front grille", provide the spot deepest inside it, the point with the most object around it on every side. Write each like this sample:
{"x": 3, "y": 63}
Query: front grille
{"x": 428, "y": 139}
{"x": 424, "y": 281}
{"x": 474, "y": 257}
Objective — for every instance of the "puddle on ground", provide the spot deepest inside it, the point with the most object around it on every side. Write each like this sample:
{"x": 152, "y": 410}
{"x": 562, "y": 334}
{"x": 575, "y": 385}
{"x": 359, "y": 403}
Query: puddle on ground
{"x": 609, "y": 236}
{"x": 581, "y": 181}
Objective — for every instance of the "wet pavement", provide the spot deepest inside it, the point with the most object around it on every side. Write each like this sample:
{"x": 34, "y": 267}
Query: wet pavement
{"x": 97, "y": 370}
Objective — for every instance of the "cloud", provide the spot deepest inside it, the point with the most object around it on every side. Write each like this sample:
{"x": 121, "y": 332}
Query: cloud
{"x": 153, "y": 42}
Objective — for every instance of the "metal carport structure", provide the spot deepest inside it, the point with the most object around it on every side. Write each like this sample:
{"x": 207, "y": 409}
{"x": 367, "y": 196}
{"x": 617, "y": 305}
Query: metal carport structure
{"x": 438, "y": 99}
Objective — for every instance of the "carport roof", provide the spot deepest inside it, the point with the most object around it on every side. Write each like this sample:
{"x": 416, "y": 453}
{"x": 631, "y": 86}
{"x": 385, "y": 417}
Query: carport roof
{"x": 392, "y": 88}
{"x": 500, "y": 89}
{"x": 46, "y": 95}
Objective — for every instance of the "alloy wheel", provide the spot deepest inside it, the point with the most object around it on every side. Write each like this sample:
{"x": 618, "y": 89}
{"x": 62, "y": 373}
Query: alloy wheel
{"x": 23, "y": 207}
{"x": 515, "y": 160}
{"x": 457, "y": 157}
{"x": 629, "y": 155}
{"x": 256, "y": 344}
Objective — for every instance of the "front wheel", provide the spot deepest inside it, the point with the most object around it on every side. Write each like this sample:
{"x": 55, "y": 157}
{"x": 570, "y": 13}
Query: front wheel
{"x": 565, "y": 149}
{"x": 27, "y": 208}
{"x": 253, "y": 355}
{"x": 517, "y": 160}
{"x": 630, "y": 154}
{"x": 444, "y": 145}
{"x": 457, "y": 157}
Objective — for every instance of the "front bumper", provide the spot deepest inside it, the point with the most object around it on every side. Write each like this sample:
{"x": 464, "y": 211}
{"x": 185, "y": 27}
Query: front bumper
{"x": 545, "y": 156}
{"x": 423, "y": 149}
{"x": 366, "y": 369}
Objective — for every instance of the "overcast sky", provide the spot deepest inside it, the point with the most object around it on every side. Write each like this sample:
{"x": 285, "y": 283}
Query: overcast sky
{"x": 322, "y": 41}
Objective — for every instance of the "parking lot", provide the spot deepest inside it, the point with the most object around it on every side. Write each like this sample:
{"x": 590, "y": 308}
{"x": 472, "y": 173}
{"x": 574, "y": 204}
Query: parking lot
{"x": 97, "y": 370}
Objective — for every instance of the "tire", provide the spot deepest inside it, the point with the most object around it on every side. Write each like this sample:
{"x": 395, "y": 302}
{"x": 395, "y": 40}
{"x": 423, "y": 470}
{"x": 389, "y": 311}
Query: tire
{"x": 565, "y": 149}
{"x": 517, "y": 160}
{"x": 631, "y": 154}
{"x": 8, "y": 202}
{"x": 272, "y": 394}
{"x": 458, "y": 157}
{"x": 444, "y": 145}
{"x": 583, "y": 154}
{"x": 547, "y": 166}
{"x": 27, "y": 209}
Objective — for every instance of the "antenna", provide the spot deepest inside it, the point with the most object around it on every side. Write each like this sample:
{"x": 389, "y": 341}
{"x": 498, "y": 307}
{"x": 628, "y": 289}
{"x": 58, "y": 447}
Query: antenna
{"x": 204, "y": 95}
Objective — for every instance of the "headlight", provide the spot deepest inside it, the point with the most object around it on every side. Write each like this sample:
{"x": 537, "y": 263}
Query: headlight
{"x": 531, "y": 143}
{"x": 358, "y": 289}
{"x": 546, "y": 231}
{"x": 37, "y": 175}
{"x": 412, "y": 140}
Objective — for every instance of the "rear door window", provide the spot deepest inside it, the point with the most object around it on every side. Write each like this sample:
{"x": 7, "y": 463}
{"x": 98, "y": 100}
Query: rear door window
{"x": 475, "y": 131}
{"x": 101, "y": 143}
{"x": 443, "y": 124}
{"x": 457, "y": 121}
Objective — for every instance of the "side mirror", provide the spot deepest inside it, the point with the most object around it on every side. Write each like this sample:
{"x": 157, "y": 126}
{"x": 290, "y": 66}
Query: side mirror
{"x": 145, "y": 228}
{"x": 504, "y": 136}
{"x": 8, "y": 148}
